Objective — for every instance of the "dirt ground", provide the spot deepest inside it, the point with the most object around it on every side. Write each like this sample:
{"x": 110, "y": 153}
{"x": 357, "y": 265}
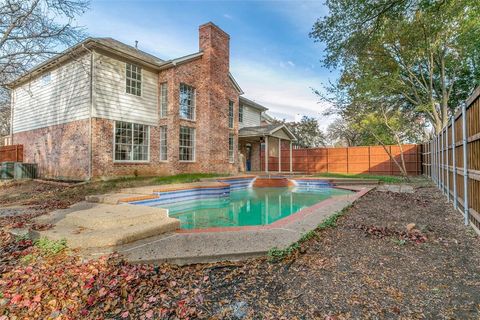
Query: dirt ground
{"x": 368, "y": 266}
{"x": 350, "y": 272}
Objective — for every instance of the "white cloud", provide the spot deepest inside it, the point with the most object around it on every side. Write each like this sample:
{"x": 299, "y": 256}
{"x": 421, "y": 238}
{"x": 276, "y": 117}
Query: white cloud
{"x": 164, "y": 40}
{"x": 227, "y": 16}
{"x": 291, "y": 64}
{"x": 287, "y": 94}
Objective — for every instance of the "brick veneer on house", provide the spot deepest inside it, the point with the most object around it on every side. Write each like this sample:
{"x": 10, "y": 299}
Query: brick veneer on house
{"x": 63, "y": 151}
{"x": 209, "y": 76}
{"x": 60, "y": 151}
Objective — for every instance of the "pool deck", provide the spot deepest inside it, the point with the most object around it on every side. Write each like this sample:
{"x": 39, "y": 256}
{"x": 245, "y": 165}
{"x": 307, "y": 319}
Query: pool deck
{"x": 232, "y": 243}
{"x": 109, "y": 223}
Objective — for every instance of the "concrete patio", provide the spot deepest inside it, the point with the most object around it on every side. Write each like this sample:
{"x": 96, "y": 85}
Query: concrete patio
{"x": 107, "y": 223}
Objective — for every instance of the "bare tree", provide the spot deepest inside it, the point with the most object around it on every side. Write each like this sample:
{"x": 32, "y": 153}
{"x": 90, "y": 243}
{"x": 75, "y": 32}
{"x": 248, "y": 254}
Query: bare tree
{"x": 30, "y": 32}
{"x": 341, "y": 133}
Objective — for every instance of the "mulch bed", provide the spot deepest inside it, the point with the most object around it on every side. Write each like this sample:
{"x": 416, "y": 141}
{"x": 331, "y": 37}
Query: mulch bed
{"x": 369, "y": 266}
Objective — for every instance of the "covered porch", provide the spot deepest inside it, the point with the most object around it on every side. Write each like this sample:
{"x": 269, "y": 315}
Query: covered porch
{"x": 266, "y": 148}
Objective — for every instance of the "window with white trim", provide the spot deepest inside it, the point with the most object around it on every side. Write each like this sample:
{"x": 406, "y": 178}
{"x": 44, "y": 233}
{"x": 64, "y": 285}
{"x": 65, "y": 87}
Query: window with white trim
{"x": 134, "y": 79}
{"x": 187, "y": 144}
{"x": 187, "y": 102}
{"x": 132, "y": 142}
{"x": 230, "y": 114}
{"x": 231, "y": 148}
{"x": 163, "y": 143}
{"x": 240, "y": 114}
{"x": 163, "y": 100}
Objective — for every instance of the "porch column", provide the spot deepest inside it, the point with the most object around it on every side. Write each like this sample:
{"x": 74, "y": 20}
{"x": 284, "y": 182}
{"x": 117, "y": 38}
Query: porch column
{"x": 279, "y": 155}
{"x": 266, "y": 154}
{"x": 291, "y": 163}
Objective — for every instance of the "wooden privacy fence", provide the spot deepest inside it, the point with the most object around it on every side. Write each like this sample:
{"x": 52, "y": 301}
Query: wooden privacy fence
{"x": 12, "y": 153}
{"x": 452, "y": 160}
{"x": 351, "y": 160}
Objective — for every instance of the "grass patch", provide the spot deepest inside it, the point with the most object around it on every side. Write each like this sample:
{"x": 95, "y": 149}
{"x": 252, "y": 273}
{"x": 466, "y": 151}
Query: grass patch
{"x": 185, "y": 178}
{"x": 385, "y": 179}
{"x": 51, "y": 247}
{"x": 275, "y": 254}
{"x": 32, "y": 192}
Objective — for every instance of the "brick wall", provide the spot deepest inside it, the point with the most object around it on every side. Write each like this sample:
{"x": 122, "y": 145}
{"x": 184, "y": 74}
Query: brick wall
{"x": 63, "y": 151}
{"x": 60, "y": 151}
{"x": 209, "y": 76}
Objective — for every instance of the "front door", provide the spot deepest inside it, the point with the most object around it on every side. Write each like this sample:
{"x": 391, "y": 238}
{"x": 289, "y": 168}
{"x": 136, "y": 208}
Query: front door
{"x": 248, "y": 157}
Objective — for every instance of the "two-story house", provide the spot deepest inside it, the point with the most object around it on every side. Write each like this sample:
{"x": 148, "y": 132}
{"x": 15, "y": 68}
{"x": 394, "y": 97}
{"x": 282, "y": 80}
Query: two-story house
{"x": 103, "y": 108}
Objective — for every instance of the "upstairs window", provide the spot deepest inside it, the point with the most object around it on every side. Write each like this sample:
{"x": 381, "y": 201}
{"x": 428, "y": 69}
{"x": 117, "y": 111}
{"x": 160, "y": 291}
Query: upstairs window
{"x": 187, "y": 102}
{"x": 187, "y": 144}
{"x": 163, "y": 100}
{"x": 230, "y": 114}
{"x": 240, "y": 114}
{"x": 134, "y": 79}
{"x": 131, "y": 142}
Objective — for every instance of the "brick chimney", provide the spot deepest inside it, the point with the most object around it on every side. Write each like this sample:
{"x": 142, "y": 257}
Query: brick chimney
{"x": 215, "y": 44}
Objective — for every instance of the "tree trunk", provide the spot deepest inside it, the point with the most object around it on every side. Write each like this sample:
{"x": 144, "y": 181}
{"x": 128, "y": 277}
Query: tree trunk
{"x": 401, "y": 167}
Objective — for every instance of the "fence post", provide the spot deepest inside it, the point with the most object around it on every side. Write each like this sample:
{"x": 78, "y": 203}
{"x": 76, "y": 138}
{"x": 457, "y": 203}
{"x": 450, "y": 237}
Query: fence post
{"x": 454, "y": 164}
{"x": 369, "y": 161}
{"x": 434, "y": 164}
{"x": 439, "y": 172}
{"x": 442, "y": 169}
{"x": 327, "y": 160}
{"x": 432, "y": 158}
{"x": 291, "y": 157}
{"x": 465, "y": 163}
{"x": 429, "y": 167}
{"x": 446, "y": 160}
{"x": 391, "y": 161}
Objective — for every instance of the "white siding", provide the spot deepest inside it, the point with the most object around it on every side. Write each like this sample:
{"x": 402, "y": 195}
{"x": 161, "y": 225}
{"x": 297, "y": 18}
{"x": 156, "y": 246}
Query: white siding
{"x": 111, "y": 100}
{"x": 251, "y": 117}
{"x": 65, "y": 98}
{"x": 281, "y": 134}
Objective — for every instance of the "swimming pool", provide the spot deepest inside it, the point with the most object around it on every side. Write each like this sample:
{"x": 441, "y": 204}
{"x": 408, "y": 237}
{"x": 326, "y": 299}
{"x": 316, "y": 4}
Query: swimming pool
{"x": 247, "y": 207}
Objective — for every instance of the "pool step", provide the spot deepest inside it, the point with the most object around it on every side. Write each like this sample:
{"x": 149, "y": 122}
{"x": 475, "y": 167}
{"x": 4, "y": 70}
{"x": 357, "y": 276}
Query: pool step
{"x": 272, "y": 182}
{"x": 90, "y": 225}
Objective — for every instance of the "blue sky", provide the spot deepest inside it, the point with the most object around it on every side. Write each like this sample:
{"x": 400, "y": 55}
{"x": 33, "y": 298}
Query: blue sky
{"x": 272, "y": 57}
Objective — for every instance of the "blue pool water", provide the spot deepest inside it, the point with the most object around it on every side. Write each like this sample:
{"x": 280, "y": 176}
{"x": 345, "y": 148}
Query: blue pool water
{"x": 247, "y": 207}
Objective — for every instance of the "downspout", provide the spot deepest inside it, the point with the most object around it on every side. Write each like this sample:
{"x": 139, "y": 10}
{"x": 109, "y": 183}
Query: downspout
{"x": 90, "y": 132}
